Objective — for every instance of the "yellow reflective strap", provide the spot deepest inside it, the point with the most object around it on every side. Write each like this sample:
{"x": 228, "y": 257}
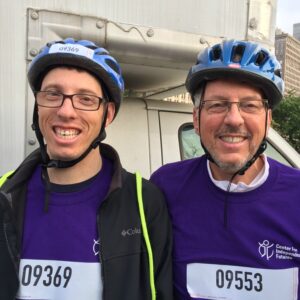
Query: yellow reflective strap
{"x": 4, "y": 177}
{"x": 145, "y": 233}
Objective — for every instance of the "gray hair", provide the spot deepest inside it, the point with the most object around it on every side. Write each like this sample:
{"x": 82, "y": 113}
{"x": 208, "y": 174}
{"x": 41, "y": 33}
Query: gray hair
{"x": 197, "y": 97}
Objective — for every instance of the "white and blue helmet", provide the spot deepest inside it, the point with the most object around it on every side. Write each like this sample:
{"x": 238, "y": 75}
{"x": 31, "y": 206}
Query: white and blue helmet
{"x": 81, "y": 54}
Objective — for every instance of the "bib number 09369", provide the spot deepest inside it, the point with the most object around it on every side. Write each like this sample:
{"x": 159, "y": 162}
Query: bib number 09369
{"x": 47, "y": 276}
{"x": 239, "y": 280}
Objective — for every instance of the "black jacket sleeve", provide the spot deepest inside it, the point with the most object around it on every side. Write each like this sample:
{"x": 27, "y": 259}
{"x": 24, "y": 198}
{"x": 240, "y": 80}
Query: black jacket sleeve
{"x": 8, "y": 273}
{"x": 160, "y": 234}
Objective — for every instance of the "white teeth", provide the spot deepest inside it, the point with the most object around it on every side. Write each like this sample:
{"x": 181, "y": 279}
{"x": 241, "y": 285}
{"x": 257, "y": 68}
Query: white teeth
{"x": 67, "y": 134}
{"x": 232, "y": 139}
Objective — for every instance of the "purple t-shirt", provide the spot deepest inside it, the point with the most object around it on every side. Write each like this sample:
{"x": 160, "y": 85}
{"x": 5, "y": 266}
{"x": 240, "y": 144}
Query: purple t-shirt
{"x": 256, "y": 256}
{"x": 60, "y": 248}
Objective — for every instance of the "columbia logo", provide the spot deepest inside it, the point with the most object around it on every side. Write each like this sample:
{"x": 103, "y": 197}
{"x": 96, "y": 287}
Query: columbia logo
{"x": 130, "y": 231}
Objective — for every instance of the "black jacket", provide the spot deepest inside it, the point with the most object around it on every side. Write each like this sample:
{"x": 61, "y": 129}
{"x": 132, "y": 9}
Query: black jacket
{"x": 125, "y": 271}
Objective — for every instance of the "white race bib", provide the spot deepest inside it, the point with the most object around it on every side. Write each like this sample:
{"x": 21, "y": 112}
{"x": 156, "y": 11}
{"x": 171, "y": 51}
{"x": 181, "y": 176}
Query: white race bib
{"x": 224, "y": 282}
{"x": 72, "y": 48}
{"x": 59, "y": 280}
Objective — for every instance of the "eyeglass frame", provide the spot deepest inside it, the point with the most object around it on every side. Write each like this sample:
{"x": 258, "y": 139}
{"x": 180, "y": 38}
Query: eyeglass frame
{"x": 70, "y": 96}
{"x": 265, "y": 105}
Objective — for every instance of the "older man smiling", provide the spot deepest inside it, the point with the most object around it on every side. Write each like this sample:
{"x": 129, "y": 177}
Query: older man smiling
{"x": 231, "y": 207}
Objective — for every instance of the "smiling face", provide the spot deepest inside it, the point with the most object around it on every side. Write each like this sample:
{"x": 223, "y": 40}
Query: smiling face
{"x": 234, "y": 137}
{"x": 68, "y": 132}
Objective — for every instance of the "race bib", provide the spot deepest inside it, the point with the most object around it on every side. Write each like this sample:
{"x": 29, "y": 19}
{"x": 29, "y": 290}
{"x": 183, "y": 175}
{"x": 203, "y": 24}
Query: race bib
{"x": 59, "y": 280}
{"x": 73, "y": 49}
{"x": 224, "y": 282}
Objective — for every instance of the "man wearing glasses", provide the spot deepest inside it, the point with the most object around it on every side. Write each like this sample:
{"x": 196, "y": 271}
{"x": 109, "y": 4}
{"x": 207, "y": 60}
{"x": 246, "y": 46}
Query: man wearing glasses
{"x": 73, "y": 230}
{"x": 235, "y": 212}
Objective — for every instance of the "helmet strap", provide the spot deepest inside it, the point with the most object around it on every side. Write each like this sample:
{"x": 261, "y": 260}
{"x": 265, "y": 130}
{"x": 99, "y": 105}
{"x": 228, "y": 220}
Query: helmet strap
{"x": 56, "y": 163}
{"x": 262, "y": 147}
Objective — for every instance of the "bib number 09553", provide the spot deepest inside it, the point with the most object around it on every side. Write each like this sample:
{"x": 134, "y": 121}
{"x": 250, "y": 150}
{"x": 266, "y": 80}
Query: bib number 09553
{"x": 239, "y": 280}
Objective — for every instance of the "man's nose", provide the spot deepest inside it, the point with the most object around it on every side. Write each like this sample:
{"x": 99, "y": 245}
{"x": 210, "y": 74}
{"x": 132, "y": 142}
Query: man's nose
{"x": 234, "y": 115}
{"x": 66, "y": 108}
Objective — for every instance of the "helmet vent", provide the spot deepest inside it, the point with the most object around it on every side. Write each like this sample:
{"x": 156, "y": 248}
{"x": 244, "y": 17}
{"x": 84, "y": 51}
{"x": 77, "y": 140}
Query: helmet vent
{"x": 237, "y": 53}
{"x": 277, "y": 73}
{"x": 53, "y": 43}
{"x": 113, "y": 65}
{"x": 260, "y": 58}
{"x": 216, "y": 53}
{"x": 93, "y": 47}
{"x": 103, "y": 52}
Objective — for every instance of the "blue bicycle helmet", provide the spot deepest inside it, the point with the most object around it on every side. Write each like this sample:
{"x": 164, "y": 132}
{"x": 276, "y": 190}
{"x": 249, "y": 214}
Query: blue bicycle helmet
{"x": 241, "y": 60}
{"x": 81, "y": 54}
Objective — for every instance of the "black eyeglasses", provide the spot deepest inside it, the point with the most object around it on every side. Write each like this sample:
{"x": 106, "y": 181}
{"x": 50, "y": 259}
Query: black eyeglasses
{"x": 52, "y": 99}
{"x": 245, "y": 106}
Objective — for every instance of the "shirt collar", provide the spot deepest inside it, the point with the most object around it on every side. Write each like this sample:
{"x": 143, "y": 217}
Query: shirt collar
{"x": 260, "y": 178}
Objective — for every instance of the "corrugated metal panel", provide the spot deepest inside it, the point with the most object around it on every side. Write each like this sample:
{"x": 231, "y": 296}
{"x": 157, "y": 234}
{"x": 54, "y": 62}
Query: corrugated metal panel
{"x": 12, "y": 84}
{"x": 228, "y": 18}
{"x": 196, "y": 16}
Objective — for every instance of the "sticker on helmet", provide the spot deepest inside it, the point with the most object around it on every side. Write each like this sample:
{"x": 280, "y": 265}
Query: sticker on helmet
{"x": 234, "y": 66}
{"x": 72, "y": 49}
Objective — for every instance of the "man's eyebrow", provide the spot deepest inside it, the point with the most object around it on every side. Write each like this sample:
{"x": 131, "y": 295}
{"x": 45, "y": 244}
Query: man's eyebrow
{"x": 51, "y": 85}
{"x": 90, "y": 92}
{"x": 59, "y": 88}
{"x": 222, "y": 97}
{"x": 252, "y": 98}
{"x": 216, "y": 97}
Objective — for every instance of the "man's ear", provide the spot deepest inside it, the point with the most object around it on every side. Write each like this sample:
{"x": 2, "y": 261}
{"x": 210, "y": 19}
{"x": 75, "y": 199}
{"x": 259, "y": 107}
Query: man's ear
{"x": 269, "y": 121}
{"x": 195, "y": 120}
{"x": 269, "y": 117}
{"x": 110, "y": 113}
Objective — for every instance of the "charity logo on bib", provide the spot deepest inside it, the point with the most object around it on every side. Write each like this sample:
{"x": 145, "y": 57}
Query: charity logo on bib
{"x": 269, "y": 250}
